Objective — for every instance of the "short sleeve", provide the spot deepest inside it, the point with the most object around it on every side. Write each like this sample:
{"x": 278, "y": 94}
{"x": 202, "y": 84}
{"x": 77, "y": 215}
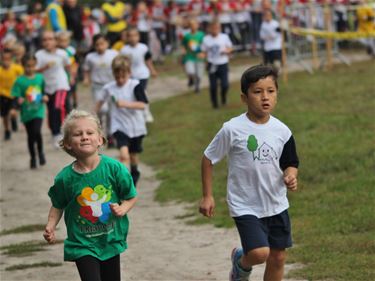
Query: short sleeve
{"x": 140, "y": 94}
{"x": 86, "y": 63}
{"x": 104, "y": 94}
{"x": 228, "y": 42}
{"x": 219, "y": 146}
{"x": 125, "y": 185}
{"x": 57, "y": 194}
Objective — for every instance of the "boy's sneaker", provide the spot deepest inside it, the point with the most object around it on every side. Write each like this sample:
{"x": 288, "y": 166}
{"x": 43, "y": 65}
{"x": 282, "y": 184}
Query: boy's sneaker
{"x": 42, "y": 159}
{"x": 56, "y": 141}
{"x": 33, "y": 163}
{"x": 7, "y": 135}
{"x": 237, "y": 273}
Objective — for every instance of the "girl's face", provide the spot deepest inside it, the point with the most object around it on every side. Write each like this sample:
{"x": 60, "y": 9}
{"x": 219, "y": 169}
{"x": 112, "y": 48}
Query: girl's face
{"x": 29, "y": 67}
{"x": 84, "y": 138}
{"x": 6, "y": 60}
{"x": 121, "y": 77}
{"x": 101, "y": 45}
{"x": 261, "y": 99}
{"x": 49, "y": 41}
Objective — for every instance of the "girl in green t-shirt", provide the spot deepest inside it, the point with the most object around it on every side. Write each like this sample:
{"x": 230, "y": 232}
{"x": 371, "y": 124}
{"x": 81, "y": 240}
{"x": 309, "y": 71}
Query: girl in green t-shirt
{"x": 95, "y": 193}
{"x": 28, "y": 89}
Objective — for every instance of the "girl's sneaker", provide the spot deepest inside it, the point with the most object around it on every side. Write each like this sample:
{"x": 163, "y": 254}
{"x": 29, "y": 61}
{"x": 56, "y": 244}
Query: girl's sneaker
{"x": 33, "y": 163}
{"x": 237, "y": 273}
{"x": 42, "y": 159}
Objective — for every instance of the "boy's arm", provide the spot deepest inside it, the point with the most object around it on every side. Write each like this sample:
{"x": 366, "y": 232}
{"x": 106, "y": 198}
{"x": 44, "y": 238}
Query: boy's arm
{"x": 131, "y": 104}
{"x": 207, "y": 204}
{"x": 124, "y": 207}
{"x": 54, "y": 217}
{"x": 151, "y": 67}
{"x": 290, "y": 178}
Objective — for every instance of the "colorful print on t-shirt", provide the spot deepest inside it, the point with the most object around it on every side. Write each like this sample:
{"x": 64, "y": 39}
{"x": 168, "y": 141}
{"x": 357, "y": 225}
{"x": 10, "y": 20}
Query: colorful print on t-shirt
{"x": 34, "y": 94}
{"x": 95, "y": 203}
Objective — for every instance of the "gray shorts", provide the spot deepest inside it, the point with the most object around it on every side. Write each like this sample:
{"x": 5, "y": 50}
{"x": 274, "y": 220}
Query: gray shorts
{"x": 194, "y": 68}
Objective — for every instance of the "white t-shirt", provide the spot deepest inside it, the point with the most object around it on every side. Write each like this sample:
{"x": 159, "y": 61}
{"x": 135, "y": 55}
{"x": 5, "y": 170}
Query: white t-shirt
{"x": 55, "y": 76}
{"x": 139, "y": 69}
{"x": 99, "y": 66}
{"x": 129, "y": 121}
{"x": 214, "y": 47}
{"x": 272, "y": 38}
{"x": 255, "y": 183}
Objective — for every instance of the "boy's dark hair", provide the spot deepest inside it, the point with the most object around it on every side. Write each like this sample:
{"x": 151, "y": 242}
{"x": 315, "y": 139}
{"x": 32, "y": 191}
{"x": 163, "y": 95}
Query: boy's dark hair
{"x": 27, "y": 57}
{"x": 255, "y": 73}
{"x": 97, "y": 37}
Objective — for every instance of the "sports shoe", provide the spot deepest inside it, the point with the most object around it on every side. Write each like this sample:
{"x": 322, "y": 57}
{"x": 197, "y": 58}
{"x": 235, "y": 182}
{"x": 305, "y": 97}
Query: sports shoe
{"x": 237, "y": 273}
{"x": 32, "y": 163}
{"x": 42, "y": 159}
{"x": 7, "y": 135}
{"x": 56, "y": 141}
{"x": 14, "y": 124}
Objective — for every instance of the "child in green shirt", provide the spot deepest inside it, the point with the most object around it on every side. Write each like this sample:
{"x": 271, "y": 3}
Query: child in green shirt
{"x": 28, "y": 89}
{"x": 95, "y": 192}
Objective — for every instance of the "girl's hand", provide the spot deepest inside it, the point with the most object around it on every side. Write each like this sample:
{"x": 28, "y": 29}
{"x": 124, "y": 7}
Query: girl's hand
{"x": 45, "y": 98}
{"x": 291, "y": 182}
{"x": 207, "y": 206}
{"x": 20, "y": 100}
{"x": 49, "y": 234}
{"x": 117, "y": 210}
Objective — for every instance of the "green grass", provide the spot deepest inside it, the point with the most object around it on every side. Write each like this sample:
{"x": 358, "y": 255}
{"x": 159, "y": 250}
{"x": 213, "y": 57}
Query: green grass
{"x": 332, "y": 117}
{"x": 25, "y": 248}
{"x": 23, "y": 229}
{"x": 33, "y": 265}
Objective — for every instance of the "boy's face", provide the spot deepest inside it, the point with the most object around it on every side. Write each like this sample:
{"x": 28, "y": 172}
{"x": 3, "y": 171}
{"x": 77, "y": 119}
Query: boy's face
{"x": 63, "y": 42}
{"x": 261, "y": 99}
{"x": 49, "y": 41}
{"x": 121, "y": 77}
{"x": 215, "y": 29}
{"x": 101, "y": 45}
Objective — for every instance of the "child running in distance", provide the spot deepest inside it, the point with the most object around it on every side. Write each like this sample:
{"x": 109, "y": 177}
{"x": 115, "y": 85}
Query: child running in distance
{"x": 141, "y": 63}
{"x": 98, "y": 72}
{"x": 263, "y": 164}
{"x": 127, "y": 101}
{"x": 95, "y": 193}
{"x": 29, "y": 92}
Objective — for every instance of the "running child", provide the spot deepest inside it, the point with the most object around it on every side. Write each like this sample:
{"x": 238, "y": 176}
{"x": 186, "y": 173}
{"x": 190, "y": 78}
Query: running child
{"x": 127, "y": 100}
{"x": 263, "y": 164}
{"x": 270, "y": 33}
{"x": 95, "y": 192}
{"x": 216, "y": 47}
{"x": 53, "y": 63}
{"x": 98, "y": 72}
{"x": 141, "y": 63}
{"x": 9, "y": 72}
{"x": 28, "y": 89}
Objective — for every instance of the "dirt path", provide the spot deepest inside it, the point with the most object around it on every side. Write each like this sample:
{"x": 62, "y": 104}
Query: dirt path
{"x": 162, "y": 247}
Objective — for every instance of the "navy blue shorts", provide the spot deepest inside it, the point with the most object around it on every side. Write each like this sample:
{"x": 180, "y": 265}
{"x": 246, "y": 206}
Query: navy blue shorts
{"x": 273, "y": 232}
{"x": 134, "y": 144}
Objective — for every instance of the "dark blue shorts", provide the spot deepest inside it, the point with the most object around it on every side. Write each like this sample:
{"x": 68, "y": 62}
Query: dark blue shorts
{"x": 134, "y": 144}
{"x": 273, "y": 232}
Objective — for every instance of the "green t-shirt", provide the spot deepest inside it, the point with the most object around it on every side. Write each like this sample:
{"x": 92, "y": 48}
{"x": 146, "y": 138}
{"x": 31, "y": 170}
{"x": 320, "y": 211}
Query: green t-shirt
{"x": 31, "y": 89}
{"x": 92, "y": 229}
{"x": 192, "y": 44}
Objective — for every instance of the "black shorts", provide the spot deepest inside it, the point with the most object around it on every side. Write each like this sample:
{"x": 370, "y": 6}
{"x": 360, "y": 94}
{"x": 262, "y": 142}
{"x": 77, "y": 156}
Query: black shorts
{"x": 273, "y": 232}
{"x": 6, "y": 104}
{"x": 134, "y": 144}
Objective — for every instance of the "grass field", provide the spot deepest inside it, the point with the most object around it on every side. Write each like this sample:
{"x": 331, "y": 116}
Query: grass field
{"x": 332, "y": 117}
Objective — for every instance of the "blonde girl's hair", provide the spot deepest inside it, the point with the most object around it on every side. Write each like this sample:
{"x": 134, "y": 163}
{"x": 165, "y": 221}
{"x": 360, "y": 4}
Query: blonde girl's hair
{"x": 70, "y": 120}
{"x": 121, "y": 63}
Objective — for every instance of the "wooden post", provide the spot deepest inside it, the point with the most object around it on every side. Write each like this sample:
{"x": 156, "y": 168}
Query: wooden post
{"x": 283, "y": 44}
{"x": 328, "y": 27}
{"x": 314, "y": 47}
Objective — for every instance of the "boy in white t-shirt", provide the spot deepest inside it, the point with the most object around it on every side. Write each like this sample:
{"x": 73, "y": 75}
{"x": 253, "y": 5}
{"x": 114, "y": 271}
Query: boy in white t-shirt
{"x": 54, "y": 64}
{"x": 216, "y": 47}
{"x": 262, "y": 165}
{"x": 127, "y": 100}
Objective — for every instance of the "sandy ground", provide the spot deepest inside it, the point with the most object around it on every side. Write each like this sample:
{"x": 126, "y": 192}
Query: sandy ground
{"x": 161, "y": 247}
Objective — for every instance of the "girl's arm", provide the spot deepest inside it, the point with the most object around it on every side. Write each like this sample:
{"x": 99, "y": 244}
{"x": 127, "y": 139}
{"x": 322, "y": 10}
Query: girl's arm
{"x": 151, "y": 67}
{"x": 54, "y": 217}
{"x": 207, "y": 204}
{"x": 125, "y": 206}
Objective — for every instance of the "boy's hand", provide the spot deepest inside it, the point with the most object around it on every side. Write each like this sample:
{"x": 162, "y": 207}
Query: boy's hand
{"x": 20, "y": 100}
{"x": 49, "y": 234}
{"x": 207, "y": 206}
{"x": 45, "y": 98}
{"x": 117, "y": 210}
{"x": 291, "y": 182}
